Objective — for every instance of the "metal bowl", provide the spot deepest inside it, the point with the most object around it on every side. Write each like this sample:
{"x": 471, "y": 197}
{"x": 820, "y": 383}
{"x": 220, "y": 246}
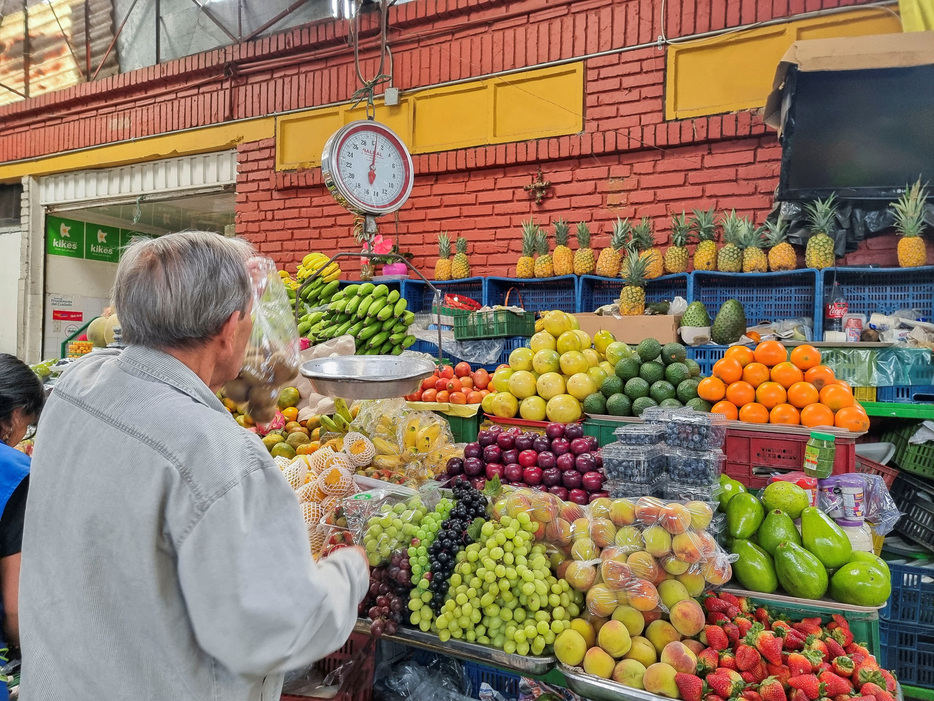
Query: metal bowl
{"x": 367, "y": 376}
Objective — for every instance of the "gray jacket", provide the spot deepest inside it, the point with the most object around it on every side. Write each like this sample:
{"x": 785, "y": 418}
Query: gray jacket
{"x": 164, "y": 553}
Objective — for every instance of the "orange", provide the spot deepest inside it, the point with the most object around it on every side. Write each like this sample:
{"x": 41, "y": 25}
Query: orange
{"x": 711, "y": 389}
{"x": 290, "y": 413}
{"x": 820, "y": 376}
{"x": 800, "y": 394}
{"x": 743, "y": 354}
{"x": 458, "y": 398}
{"x": 770, "y": 394}
{"x": 740, "y": 393}
{"x": 728, "y": 409}
{"x": 836, "y": 397}
{"x": 475, "y": 397}
{"x": 754, "y": 413}
{"x": 816, "y": 415}
{"x": 805, "y": 357}
{"x": 755, "y": 374}
{"x": 306, "y": 448}
{"x": 786, "y": 374}
{"x": 851, "y": 418}
{"x": 784, "y": 414}
{"x": 754, "y": 335}
{"x": 771, "y": 353}
{"x": 845, "y": 385}
{"x": 728, "y": 369}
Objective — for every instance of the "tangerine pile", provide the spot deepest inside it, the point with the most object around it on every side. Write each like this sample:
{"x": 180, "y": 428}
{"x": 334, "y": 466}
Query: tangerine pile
{"x": 769, "y": 385}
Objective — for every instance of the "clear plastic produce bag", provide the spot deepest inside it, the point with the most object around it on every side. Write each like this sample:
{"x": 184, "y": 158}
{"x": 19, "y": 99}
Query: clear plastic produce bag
{"x": 434, "y": 677}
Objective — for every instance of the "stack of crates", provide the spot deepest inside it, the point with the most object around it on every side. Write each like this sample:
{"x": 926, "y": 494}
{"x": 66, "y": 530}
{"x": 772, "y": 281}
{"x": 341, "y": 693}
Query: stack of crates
{"x": 907, "y": 627}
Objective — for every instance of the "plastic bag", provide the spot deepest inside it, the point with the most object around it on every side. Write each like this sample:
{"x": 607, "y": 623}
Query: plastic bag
{"x": 272, "y": 353}
{"x": 532, "y": 689}
{"x": 879, "y": 507}
{"x": 422, "y": 676}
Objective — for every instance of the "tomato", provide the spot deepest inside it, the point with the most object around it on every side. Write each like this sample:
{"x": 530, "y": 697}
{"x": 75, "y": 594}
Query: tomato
{"x": 474, "y": 398}
{"x": 458, "y": 398}
{"x": 443, "y": 396}
{"x": 447, "y": 371}
{"x": 429, "y": 382}
{"x": 462, "y": 369}
{"x": 414, "y": 397}
{"x": 481, "y": 378}
{"x": 467, "y": 382}
{"x": 441, "y": 383}
{"x": 454, "y": 385}
{"x": 504, "y": 366}
{"x": 429, "y": 395}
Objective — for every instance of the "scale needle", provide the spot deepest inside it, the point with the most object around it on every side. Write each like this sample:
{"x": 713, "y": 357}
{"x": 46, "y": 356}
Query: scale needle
{"x": 372, "y": 174}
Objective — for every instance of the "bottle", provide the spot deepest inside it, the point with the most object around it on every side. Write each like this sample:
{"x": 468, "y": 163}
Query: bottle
{"x": 819, "y": 455}
{"x": 835, "y": 309}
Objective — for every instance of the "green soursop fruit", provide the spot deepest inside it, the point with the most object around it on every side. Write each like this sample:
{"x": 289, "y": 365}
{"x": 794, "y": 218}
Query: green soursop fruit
{"x": 730, "y": 323}
{"x": 696, "y": 315}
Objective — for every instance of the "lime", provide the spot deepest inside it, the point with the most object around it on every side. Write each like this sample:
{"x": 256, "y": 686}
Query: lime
{"x": 505, "y": 405}
{"x": 698, "y": 404}
{"x": 670, "y": 404}
{"x": 532, "y": 409}
{"x": 693, "y": 367}
{"x": 641, "y": 404}
{"x": 550, "y": 384}
{"x": 542, "y": 341}
{"x": 580, "y": 386}
{"x": 594, "y": 404}
{"x": 673, "y": 353}
{"x": 662, "y": 390}
{"x": 556, "y": 323}
{"x": 687, "y": 390}
{"x": 649, "y": 349}
{"x": 602, "y": 339}
{"x": 676, "y": 373}
{"x": 652, "y": 371}
{"x": 564, "y": 409}
{"x": 573, "y": 362}
{"x": 611, "y": 385}
{"x": 546, "y": 360}
{"x": 627, "y": 368}
{"x": 522, "y": 384}
{"x": 616, "y": 351}
{"x": 636, "y": 387}
{"x": 619, "y": 405}
{"x": 568, "y": 341}
{"x": 593, "y": 358}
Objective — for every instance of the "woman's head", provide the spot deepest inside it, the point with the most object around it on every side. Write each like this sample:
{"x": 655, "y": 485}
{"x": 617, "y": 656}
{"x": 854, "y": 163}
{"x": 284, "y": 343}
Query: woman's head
{"x": 21, "y": 398}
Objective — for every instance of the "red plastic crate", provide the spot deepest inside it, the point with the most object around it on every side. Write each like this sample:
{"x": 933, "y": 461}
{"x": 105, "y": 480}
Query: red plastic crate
{"x": 871, "y": 467}
{"x": 753, "y": 456}
{"x": 359, "y": 686}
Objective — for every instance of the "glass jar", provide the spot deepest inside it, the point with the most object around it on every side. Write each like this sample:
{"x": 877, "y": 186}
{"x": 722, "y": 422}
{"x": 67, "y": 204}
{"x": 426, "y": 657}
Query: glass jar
{"x": 819, "y": 455}
{"x": 366, "y": 271}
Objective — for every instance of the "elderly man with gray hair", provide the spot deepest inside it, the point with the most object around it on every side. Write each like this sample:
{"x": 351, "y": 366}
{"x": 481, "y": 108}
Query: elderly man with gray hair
{"x": 164, "y": 553}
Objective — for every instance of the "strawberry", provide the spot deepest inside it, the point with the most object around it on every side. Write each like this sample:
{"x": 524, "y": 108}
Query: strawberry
{"x": 808, "y": 683}
{"x": 762, "y": 615}
{"x": 724, "y": 683}
{"x": 797, "y": 695}
{"x": 744, "y": 604}
{"x": 713, "y": 604}
{"x": 799, "y": 664}
{"x": 840, "y": 620}
{"x": 750, "y": 694}
{"x": 708, "y": 660}
{"x": 778, "y": 624}
{"x": 733, "y": 611}
{"x": 766, "y": 642}
{"x": 842, "y": 697}
{"x": 864, "y": 675}
{"x": 744, "y": 624}
{"x": 760, "y": 671}
{"x": 843, "y": 666}
{"x": 690, "y": 686}
{"x": 842, "y": 636}
{"x": 891, "y": 684}
{"x": 814, "y": 643}
{"x": 713, "y": 697}
{"x": 808, "y": 626}
{"x": 873, "y": 689}
{"x": 715, "y": 637}
{"x": 780, "y": 672}
{"x": 728, "y": 659}
{"x": 771, "y": 689}
{"x": 834, "y": 684}
{"x": 824, "y": 667}
{"x": 732, "y": 632}
{"x": 732, "y": 599}
{"x": 717, "y": 618}
{"x": 864, "y": 697}
{"x": 854, "y": 648}
{"x": 793, "y": 640}
{"x": 834, "y": 649}
{"x": 747, "y": 657}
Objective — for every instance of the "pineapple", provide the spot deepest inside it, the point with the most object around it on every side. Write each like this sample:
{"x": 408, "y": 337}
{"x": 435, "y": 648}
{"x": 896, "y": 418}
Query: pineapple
{"x": 820, "y": 249}
{"x": 705, "y": 227}
{"x": 443, "y": 264}
{"x": 676, "y": 257}
{"x": 632, "y": 296}
{"x": 460, "y": 268}
{"x": 730, "y": 257}
{"x": 752, "y": 239}
{"x": 543, "y": 264}
{"x": 610, "y": 257}
{"x": 781, "y": 254}
{"x": 644, "y": 241}
{"x": 563, "y": 257}
{"x": 583, "y": 256}
{"x": 525, "y": 267}
{"x": 909, "y": 223}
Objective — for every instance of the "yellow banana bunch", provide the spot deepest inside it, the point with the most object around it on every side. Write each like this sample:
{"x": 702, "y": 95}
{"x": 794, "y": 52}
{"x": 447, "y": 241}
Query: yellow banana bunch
{"x": 410, "y": 433}
{"x": 427, "y": 437}
{"x": 384, "y": 447}
{"x": 389, "y": 462}
{"x": 313, "y": 262}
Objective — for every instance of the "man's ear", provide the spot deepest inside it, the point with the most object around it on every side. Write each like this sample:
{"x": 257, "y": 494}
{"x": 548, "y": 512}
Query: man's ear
{"x": 229, "y": 329}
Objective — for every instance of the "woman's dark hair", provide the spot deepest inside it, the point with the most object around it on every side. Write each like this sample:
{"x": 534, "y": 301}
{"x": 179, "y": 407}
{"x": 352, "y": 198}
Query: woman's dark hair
{"x": 20, "y": 388}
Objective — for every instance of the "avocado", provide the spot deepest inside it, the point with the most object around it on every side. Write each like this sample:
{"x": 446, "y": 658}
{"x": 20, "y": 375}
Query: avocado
{"x": 777, "y": 528}
{"x": 673, "y": 353}
{"x": 754, "y": 569}
{"x": 744, "y": 515}
{"x": 799, "y": 572}
{"x": 824, "y": 538}
{"x": 671, "y": 403}
{"x": 652, "y": 371}
{"x": 649, "y": 349}
{"x": 860, "y": 583}
{"x": 662, "y": 390}
{"x": 677, "y": 372}
{"x": 687, "y": 389}
{"x": 611, "y": 385}
{"x": 627, "y": 368}
{"x": 730, "y": 323}
{"x": 693, "y": 367}
{"x": 636, "y": 387}
{"x": 619, "y": 405}
{"x": 594, "y": 403}
{"x": 641, "y": 404}
{"x": 698, "y": 404}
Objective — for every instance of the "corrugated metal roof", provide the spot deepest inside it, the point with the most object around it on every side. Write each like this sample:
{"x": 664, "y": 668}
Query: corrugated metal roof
{"x": 52, "y": 63}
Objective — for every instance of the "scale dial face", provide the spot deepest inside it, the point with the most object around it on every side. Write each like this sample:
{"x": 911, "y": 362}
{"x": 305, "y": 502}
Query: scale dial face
{"x": 367, "y": 168}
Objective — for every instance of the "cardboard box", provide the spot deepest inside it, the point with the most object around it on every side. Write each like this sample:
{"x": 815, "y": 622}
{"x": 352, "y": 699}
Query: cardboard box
{"x": 632, "y": 329}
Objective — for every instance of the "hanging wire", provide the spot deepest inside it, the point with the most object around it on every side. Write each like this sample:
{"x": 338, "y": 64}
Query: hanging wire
{"x": 139, "y": 210}
{"x": 368, "y": 90}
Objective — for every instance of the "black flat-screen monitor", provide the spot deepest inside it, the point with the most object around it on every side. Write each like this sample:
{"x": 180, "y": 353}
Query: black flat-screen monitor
{"x": 862, "y": 134}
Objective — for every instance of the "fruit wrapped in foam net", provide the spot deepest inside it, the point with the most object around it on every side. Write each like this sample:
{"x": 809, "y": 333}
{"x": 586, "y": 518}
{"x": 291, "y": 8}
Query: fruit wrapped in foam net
{"x": 359, "y": 449}
{"x": 319, "y": 460}
{"x": 296, "y": 473}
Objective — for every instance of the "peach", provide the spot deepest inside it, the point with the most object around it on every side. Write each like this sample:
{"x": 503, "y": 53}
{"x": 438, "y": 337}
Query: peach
{"x": 687, "y": 547}
{"x": 671, "y": 591}
{"x": 622, "y": 512}
{"x": 659, "y": 679}
{"x": 648, "y": 509}
{"x": 545, "y": 507}
{"x": 558, "y": 532}
{"x": 708, "y": 545}
{"x": 516, "y": 503}
{"x": 562, "y": 569}
{"x": 584, "y": 549}
{"x": 660, "y": 633}
{"x": 596, "y": 622}
{"x": 658, "y": 541}
{"x": 653, "y": 615}
{"x": 701, "y": 514}
{"x": 631, "y": 618}
{"x": 570, "y": 647}
{"x": 643, "y": 651}
{"x": 586, "y": 631}
{"x": 695, "y": 646}
{"x": 570, "y": 511}
{"x": 643, "y": 595}
{"x": 614, "y": 553}
{"x": 680, "y": 657}
{"x": 602, "y": 532}
{"x": 717, "y": 571}
{"x": 600, "y": 508}
{"x": 687, "y": 616}
{"x": 643, "y": 565}
{"x": 601, "y": 600}
{"x": 614, "y": 638}
{"x": 630, "y": 539}
{"x": 599, "y": 663}
{"x": 675, "y": 518}
{"x": 629, "y": 673}
{"x": 580, "y": 528}
{"x": 615, "y": 574}
{"x": 556, "y": 558}
{"x": 693, "y": 581}
{"x": 672, "y": 565}
{"x": 580, "y": 576}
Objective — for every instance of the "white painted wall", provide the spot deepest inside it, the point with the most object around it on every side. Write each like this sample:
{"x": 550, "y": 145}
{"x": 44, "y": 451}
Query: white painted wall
{"x": 10, "y": 257}
{"x": 73, "y": 285}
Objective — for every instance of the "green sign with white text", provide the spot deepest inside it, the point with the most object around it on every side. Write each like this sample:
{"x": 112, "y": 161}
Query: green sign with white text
{"x": 101, "y": 243}
{"x": 64, "y": 237}
{"x": 77, "y": 239}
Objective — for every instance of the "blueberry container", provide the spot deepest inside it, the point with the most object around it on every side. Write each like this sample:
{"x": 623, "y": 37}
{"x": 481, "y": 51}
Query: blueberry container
{"x": 640, "y": 434}
{"x": 660, "y": 414}
{"x": 632, "y": 490}
{"x": 679, "y": 491}
{"x": 698, "y": 467}
{"x": 695, "y": 430}
{"x": 630, "y": 463}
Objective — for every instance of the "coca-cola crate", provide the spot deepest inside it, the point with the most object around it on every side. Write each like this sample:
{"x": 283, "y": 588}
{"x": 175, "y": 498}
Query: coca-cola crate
{"x": 753, "y": 456}
{"x": 358, "y": 684}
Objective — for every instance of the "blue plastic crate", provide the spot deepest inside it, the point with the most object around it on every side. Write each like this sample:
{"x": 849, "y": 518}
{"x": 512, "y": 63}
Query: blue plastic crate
{"x": 506, "y": 683}
{"x": 706, "y": 356}
{"x": 764, "y": 296}
{"x": 594, "y": 291}
{"x": 906, "y": 394}
{"x": 908, "y": 650}
{"x": 912, "y": 598}
{"x": 419, "y": 295}
{"x": 509, "y": 345}
{"x": 431, "y": 349}
{"x": 536, "y": 295}
{"x": 884, "y": 290}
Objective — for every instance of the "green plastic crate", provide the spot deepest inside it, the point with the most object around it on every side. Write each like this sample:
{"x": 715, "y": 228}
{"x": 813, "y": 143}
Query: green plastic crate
{"x": 601, "y": 429}
{"x": 464, "y": 428}
{"x": 911, "y": 457}
{"x": 497, "y": 323}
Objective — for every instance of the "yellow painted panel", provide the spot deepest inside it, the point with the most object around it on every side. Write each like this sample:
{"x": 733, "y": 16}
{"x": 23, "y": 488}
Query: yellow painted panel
{"x": 398, "y": 118}
{"x": 735, "y": 71}
{"x": 300, "y": 137}
{"x": 203, "y": 140}
{"x": 540, "y": 104}
{"x": 452, "y": 117}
